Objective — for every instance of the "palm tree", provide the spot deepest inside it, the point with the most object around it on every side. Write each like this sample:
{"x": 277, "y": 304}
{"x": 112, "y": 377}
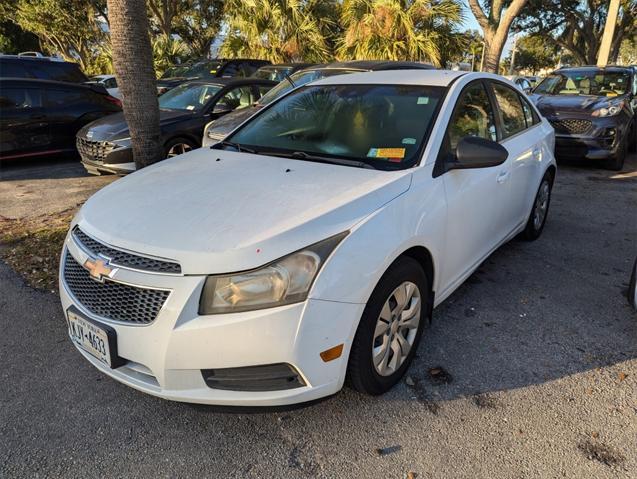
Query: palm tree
{"x": 397, "y": 29}
{"x": 280, "y": 30}
{"x": 133, "y": 65}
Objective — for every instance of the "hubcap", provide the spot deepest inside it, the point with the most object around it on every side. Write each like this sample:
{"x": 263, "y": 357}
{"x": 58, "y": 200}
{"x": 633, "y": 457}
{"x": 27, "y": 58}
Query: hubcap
{"x": 178, "y": 149}
{"x": 396, "y": 328}
{"x": 541, "y": 204}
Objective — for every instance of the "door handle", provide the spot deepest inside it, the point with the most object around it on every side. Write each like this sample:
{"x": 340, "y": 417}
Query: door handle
{"x": 502, "y": 176}
{"x": 537, "y": 153}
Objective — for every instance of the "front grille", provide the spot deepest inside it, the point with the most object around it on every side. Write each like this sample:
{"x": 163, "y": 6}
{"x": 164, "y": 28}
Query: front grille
{"x": 571, "y": 126}
{"x": 110, "y": 300}
{"x": 94, "y": 150}
{"x": 123, "y": 258}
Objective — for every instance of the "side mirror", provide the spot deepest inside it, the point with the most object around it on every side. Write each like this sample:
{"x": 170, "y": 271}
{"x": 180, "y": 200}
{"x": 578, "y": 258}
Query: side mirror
{"x": 476, "y": 152}
{"x": 221, "y": 109}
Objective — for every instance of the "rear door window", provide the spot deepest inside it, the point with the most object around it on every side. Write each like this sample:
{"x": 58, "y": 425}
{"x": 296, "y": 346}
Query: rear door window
{"x": 512, "y": 117}
{"x": 10, "y": 69}
{"x": 19, "y": 98}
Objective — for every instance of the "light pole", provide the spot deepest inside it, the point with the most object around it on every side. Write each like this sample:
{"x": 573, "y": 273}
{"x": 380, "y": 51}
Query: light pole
{"x": 609, "y": 31}
{"x": 513, "y": 51}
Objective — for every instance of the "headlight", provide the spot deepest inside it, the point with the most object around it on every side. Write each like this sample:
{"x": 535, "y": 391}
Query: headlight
{"x": 284, "y": 281}
{"x": 611, "y": 110}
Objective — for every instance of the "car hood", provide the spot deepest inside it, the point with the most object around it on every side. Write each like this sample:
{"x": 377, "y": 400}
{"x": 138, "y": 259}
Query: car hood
{"x": 230, "y": 121}
{"x": 555, "y": 105}
{"x": 220, "y": 211}
{"x": 113, "y": 127}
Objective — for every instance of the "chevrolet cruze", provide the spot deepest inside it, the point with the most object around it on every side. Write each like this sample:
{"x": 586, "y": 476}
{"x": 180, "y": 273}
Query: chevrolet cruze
{"x": 311, "y": 245}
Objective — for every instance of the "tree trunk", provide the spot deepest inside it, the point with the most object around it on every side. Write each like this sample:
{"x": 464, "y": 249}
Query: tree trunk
{"x": 133, "y": 65}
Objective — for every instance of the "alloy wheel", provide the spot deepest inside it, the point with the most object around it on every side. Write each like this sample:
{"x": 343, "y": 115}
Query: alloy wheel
{"x": 396, "y": 328}
{"x": 541, "y": 204}
{"x": 178, "y": 149}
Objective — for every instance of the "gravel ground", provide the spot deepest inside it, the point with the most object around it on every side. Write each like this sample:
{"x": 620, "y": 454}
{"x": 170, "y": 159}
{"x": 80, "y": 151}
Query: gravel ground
{"x": 529, "y": 370}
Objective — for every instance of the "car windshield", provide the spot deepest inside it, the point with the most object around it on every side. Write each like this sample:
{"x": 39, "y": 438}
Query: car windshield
{"x": 379, "y": 125}
{"x": 592, "y": 82}
{"x": 188, "y": 97}
{"x": 299, "y": 79}
{"x": 174, "y": 71}
{"x": 272, "y": 73}
{"x": 202, "y": 70}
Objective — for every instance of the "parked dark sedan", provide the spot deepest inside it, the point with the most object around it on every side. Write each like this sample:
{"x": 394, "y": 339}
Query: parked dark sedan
{"x": 217, "y": 130}
{"x": 209, "y": 69}
{"x": 593, "y": 111}
{"x": 105, "y": 145}
{"x": 41, "y": 117}
{"x": 279, "y": 71}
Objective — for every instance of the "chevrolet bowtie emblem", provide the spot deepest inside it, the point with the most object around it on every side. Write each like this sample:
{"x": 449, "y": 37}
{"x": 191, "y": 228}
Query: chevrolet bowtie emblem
{"x": 98, "y": 268}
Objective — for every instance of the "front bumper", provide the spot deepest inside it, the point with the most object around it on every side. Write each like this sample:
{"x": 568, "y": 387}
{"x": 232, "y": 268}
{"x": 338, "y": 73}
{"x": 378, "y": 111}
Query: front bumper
{"x": 600, "y": 141}
{"x": 166, "y": 358}
{"x": 105, "y": 156}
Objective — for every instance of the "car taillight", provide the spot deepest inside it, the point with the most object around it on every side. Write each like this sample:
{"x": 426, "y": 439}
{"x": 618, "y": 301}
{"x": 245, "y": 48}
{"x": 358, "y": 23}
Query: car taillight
{"x": 112, "y": 99}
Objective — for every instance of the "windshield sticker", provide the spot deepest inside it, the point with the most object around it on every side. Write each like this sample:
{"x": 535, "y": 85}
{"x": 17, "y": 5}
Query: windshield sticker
{"x": 409, "y": 141}
{"x": 389, "y": 153}
{"x": 190, "y": 107}
{"x": 423, "y": 100}
{"x": 213, "y": 71}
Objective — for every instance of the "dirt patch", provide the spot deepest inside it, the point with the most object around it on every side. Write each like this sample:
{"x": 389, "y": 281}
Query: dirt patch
{"x": 600, "y": 452}
{"x": 32, "y": 246}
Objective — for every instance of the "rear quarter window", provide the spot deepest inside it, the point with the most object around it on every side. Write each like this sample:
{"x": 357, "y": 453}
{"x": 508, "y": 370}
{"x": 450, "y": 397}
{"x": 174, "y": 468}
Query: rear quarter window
{"x": 10, "y": 69}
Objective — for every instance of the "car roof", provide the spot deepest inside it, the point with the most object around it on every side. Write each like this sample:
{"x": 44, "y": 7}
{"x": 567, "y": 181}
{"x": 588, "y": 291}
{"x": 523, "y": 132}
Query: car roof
{"x": 395, "y": 77}
{"x": 594, "y": 67}
{"x": 42, "y": 82}
{"x": 293, "y": 65}
{"x": 228, "y": 81}
{"x": 376, "y": 65}
{"x": 16, "y": 58}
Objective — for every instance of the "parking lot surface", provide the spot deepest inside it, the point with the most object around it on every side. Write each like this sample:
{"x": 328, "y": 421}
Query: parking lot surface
{"x": 529, "y": 370}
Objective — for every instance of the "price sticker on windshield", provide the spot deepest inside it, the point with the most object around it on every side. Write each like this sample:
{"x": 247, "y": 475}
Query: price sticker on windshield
{"x": 389, "y": 153}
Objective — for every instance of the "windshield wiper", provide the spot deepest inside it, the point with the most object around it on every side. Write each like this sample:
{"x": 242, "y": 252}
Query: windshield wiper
{"x": 302, "y": 155}
{"x": 231, "y": 144}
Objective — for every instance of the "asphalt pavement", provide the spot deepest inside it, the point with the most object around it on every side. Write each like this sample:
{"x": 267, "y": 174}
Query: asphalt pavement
{"x": 528, "y": 371}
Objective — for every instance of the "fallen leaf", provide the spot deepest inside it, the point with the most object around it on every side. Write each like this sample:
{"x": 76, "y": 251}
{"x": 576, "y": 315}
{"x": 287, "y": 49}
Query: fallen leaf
{"x": 622, "y": 376}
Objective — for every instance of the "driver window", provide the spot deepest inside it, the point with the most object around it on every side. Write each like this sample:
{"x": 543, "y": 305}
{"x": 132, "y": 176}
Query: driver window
{"x": 238, "y": 98}
{"x": 473, "y": 116}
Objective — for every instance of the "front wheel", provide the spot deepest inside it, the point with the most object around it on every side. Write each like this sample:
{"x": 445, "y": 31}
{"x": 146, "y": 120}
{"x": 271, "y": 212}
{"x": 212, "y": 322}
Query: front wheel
{"x": 540, "y": 210}
{"x": 390, "y": 328}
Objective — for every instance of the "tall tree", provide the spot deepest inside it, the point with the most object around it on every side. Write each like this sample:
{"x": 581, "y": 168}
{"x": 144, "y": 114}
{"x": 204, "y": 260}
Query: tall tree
{"x": 199, "y": 25}
{"x": 533, "y": 53}
{"x": 398, "y": 29}
{"x": 164, "y": 13}
{"x": 133, "y": 62}
{"x": 280, "y": 30}
{"x": 577, "y": 26}
{"x": 495, "y": 18}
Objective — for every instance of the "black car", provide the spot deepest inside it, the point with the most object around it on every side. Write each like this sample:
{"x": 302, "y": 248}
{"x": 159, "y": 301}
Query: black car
{"x": 279, "y": 71}
{"x": 44, "y": 68}
{"x": 593, "y": 111}
{"x": 209, "y": 69}
{"x": 219, "y": 129}
{"x": 105, "y": 144}
{"x": 41, "y": 117}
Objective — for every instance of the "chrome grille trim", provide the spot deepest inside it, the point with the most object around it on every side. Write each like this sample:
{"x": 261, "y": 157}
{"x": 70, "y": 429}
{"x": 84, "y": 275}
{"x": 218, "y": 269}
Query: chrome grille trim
{"x": 121, "y": 258}
{"x": 571, "y": 126}
{"x": 94, "y": 150}
{"x": 112, "y": 300}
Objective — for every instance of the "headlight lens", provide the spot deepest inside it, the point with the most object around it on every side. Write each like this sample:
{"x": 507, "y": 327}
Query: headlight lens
{"x": 285, "y": 281}
{"x": 611, "y": 110}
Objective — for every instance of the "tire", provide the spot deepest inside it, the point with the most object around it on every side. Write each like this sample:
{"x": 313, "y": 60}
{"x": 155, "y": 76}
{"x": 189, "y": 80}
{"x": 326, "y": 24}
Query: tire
{"x": 540, "y": 209}
{"x": 632, "y": 138}
{"x": 617, "y": 163}
{"x": 632, "y": 287}
{"x": 363, "y": 374}
{"x": 174, "y": 144}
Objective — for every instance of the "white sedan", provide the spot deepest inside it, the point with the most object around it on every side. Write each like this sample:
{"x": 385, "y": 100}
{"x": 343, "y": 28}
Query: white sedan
{"x": 109, "y": 82}
{"x": 312, "y": 244}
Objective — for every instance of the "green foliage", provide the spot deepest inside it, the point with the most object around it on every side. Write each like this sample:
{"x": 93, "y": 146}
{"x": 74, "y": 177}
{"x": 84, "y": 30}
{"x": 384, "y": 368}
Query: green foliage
{"x": 200, "y": 25}
{"x": 533, "y": 53}
{"x": 399, "y": 29}
{"x": 14, "y": 39}
{"x": 281, "y": 30}
{"x": 168, "y": 51}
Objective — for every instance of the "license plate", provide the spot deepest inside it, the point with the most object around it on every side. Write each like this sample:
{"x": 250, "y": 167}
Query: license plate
{"x": 90, "y": 337}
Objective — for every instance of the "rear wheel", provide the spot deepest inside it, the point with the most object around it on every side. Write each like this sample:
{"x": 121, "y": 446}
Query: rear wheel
{"x": 632, "y": 138}
{"x": 178, "y": 146}
{"x": 390, "y": 328}
{"x": 540, "y": 210}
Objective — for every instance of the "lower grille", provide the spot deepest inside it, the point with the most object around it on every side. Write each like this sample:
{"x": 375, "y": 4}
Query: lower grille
{"x": 111, "y": 300}
{"x": 571, "y": 126}
{"x": 94, "y": 150}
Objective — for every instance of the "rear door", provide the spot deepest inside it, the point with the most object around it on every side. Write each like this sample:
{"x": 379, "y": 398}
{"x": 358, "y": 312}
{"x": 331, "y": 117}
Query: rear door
{"x": 24, "y": 128}
{"x": 521, "y": 136}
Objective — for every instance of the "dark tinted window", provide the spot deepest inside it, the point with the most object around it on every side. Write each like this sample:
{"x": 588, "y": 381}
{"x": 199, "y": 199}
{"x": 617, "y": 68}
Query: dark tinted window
{"x": 511, "y": 114}
{"x": 473, "y": 116}
{"x": 529, "y": 115}
{"x": 19, "y": 98}
{"x": 13, "y": 69}
{"x": 64, "y": 98}
{"x": 58, "y": 71}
